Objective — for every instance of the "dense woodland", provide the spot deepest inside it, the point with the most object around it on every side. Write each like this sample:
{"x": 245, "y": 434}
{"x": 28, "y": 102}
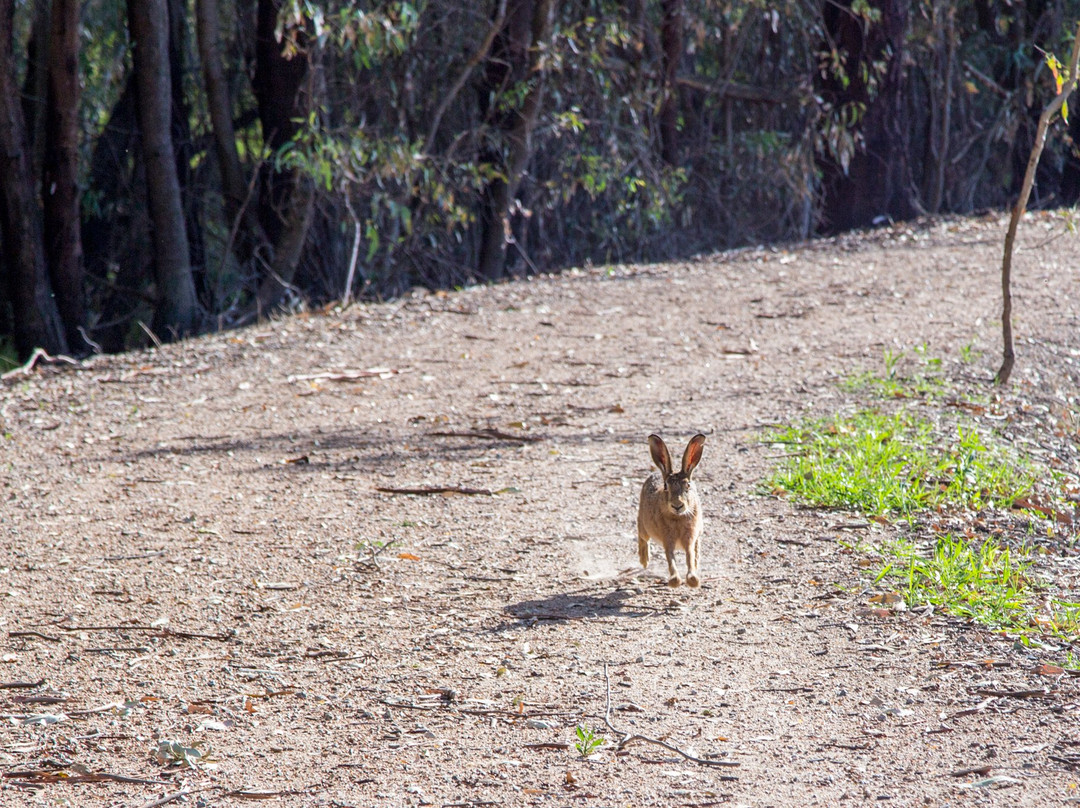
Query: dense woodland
{"x": 175, "y": 166}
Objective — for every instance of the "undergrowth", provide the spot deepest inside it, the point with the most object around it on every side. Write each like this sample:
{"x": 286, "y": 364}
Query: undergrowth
{"x": 986, "y": 583}
{"x": 892, "y": 466}
{"x": 925, "y": 382}
{"x": 895, "y": 465}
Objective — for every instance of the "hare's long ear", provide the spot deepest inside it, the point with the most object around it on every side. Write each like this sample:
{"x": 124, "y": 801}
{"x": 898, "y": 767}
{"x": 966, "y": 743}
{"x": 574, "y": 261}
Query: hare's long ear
{"x": 660, "y": 454}
{"x": 692, "y": 456}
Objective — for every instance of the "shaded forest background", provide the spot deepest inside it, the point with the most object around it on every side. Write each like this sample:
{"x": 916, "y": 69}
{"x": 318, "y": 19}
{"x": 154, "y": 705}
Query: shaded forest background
{"x": 174, "y": 166}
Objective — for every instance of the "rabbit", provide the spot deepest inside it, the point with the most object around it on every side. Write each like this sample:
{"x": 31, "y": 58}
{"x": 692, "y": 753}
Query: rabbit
{"x": 669, "y": 510}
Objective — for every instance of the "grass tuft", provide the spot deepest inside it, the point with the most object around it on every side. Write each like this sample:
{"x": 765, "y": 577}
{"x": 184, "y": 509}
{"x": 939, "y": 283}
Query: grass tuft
{"x": 926, "y": 382}
{"x": 884, "y": 464}
{"x": 987, "y": 584}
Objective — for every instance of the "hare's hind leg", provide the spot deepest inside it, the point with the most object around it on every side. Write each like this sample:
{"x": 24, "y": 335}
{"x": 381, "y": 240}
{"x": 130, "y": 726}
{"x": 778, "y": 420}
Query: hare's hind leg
{"x": 692, "y": 574}
{"x": 642, "y": 545}
{"x": 673, "y": 577}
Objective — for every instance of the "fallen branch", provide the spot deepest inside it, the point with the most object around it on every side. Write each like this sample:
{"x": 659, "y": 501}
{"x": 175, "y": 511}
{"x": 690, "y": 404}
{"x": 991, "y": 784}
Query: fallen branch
{"x": 628, "y": 737}
{"x": 62, "y": 776}
{"x": 165, "y": 800}
{"x": 38, "y": 354}
{"x": 248, "y": 794}
{"x": 161, "y": 631}
{"x": 37, "y": 634}
{"x": 970, "y": 770}
{"x": 496, "y": 434}
{"x": 21, "y": 685}
{"x": 348, "y": 375}
{"x": 437, "y": 489}
{"x": 1018, "y": 694}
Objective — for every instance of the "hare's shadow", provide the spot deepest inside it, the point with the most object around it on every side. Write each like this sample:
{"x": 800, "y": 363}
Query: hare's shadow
{"x": 568, "y": 606}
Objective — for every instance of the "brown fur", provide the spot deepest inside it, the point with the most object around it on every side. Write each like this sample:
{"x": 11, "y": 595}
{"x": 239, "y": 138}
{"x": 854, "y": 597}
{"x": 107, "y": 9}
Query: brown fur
{"x": 669, "y": 511}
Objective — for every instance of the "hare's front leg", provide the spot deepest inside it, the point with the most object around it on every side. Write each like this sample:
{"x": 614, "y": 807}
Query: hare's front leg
{"x": 692, "y": 575}
{"x": 673, "y": 577}
{"x": 642, "y": 545}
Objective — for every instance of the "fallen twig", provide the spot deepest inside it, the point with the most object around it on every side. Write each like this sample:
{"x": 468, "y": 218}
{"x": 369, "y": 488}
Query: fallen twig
{"x": 628, "y": 737}
{"x": 41, "y": 699}
{"x": 1041, "y": 693}
{"x": 62, "y": 776}
{"x": 165, "y": 800}
{"x": 247, "y": 794}
{"x": 37, "y": 634}
{"x": 437, "y": 489}
{"x": 39, "y": 353}
{"x": 134, "y": 557}
{"x": 973, "y": 663}
{"x": 161, "y": 631}
{"x": 496, "y": 434}
{"x": 348, "y": 375}
{"x": 970, "y": 770}
{"x": 21, "y": 685}
{"x": 549, "y": 745}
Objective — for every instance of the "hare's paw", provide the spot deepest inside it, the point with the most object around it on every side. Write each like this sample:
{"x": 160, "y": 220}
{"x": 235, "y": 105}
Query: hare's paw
{"x": 693, "y": 580}
{"x": 674, "y": 581}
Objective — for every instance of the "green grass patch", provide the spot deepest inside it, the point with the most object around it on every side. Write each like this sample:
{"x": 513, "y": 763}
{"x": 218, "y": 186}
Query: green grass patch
{"x": 925, "y": 382}
{"x": 895, "y": 464}
{"x": 986, "y": 583}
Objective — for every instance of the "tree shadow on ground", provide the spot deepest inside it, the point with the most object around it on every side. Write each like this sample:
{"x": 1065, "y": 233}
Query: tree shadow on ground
{"x": 301, "y": 451}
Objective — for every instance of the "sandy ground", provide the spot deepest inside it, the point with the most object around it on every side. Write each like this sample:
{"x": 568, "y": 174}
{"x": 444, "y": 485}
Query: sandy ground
{"x": 198, "y": 564}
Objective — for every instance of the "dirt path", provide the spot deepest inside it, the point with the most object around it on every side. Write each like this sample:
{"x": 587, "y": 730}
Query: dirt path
{"x": 192, "y": 540}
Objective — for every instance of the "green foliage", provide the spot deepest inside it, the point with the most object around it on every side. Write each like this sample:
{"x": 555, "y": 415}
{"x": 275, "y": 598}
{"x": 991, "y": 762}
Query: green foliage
{"x": 767, "y": 101}
{"x": 925, "y": 382}
{"x": 587, "y": 741}
{"x": 985, "y": 582}
{"x": 896, "y": 464}
{"x": 368, "y": 37}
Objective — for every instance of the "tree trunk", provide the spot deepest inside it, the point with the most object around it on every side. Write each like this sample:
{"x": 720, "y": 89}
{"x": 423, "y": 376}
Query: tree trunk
{"x": 516, "y": 57}
{"x": 177, "y": 309}
{"x": 877, "y": 183}
{"x": 671, "y": 35}
{"x": 59, "y": 187}
{"x": 282, "y": 86}
{"x": 238, "y": 208}
{"x": 35, "y": 83}
{"x": 37, "y": 321}
{"x": 187, "y": 153}
{"x": 115, "y": 230}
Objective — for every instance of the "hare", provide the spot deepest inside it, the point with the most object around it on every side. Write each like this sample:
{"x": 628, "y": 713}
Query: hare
{"x": 670, "y": 512}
